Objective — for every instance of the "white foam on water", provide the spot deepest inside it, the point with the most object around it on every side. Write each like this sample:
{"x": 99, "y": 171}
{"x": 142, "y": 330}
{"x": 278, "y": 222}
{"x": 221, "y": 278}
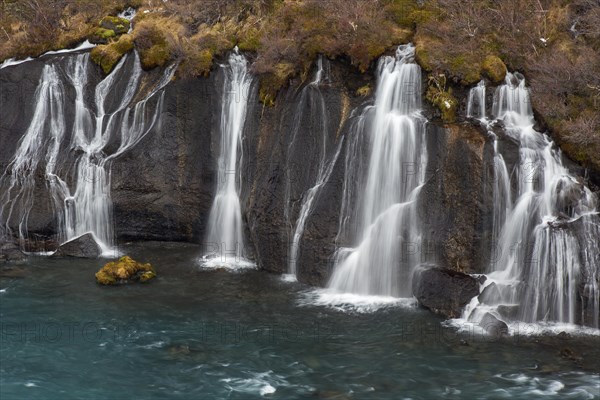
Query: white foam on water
{"x": 551, "y": 387}
{"x": 3, "y": 290}
{"x": 518, "y": 328}
{"x": 261, "y": 383}
{"x": 350, "y": 302}
{"x": 231, "y": 263}
{"x": 289, "y": 278}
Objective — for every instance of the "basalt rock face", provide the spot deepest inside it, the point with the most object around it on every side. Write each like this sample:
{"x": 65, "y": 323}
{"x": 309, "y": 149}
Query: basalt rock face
{"x": 455, "y": 204}
{"x": 163, "y": 188}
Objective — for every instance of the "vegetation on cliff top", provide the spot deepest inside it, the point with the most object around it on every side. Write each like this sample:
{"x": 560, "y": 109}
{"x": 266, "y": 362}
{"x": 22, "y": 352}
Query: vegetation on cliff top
{"x": 555, "y": 43}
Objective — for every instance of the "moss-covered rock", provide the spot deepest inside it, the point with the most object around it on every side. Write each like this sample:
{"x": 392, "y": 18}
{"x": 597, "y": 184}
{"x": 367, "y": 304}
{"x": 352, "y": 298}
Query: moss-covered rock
{"x": 494, "y": 68}
{"x": 442, "y": 98}
{"x": 107, "y": 56}
{"x": 125, "y": 270}
{"x": 102, "y": 35}
{"x": 115, "y": 24}
{"x": 364, "y": 91}
{"x": 158, "y": 40}
{"x": 271, "y": 83}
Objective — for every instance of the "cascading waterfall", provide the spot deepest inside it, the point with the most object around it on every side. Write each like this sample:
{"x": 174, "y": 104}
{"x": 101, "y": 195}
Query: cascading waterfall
{"x": 311, "y": 100}
{"x": 476, "y": 102}
{"x": 85, "y": 205}
{"x": 476, "y": 109}
{"x": 386, "y": 189}
{"x": 225, "y": 227}
{"x": 548, "y": 245}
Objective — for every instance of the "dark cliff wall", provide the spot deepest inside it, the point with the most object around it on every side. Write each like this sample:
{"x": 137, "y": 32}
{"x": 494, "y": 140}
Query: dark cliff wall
{"x": 163, "y": 188}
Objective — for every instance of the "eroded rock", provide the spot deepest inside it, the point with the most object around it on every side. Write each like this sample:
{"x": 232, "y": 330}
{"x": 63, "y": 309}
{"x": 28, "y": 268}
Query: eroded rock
{"x": 444, "y": 291}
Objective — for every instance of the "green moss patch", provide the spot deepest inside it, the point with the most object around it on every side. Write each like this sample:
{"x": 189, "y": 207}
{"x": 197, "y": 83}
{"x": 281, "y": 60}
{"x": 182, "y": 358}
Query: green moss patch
{"x": 125, "y": 270}
{"x": 107, "y": 56}
{"x": 494, "y": 68}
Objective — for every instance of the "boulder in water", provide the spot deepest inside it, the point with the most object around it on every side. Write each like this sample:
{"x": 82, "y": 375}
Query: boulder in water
{"x": 443, "y": 290}
{"x": 125, "y": 270}
{"x": 85, "y": 246}
{"x": 493, "y": 325}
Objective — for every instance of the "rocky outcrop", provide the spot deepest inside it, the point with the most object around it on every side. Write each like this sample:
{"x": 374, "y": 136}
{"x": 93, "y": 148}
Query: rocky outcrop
{"x": 163, "y": 188}
{"x": 452, "y": 206}
{"x": 85, "y": 246}
{"x": 443, "y": 291}
{"x": 10, "y": 252}
{"x": 125, "y": 270}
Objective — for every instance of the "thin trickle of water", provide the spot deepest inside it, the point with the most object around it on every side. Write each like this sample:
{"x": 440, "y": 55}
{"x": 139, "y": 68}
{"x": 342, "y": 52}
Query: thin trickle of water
{"x": 311, "y": 100}
{"x": 388, "y": 186}
{"x": 225, "y": 228}
{"x": 547, "y": 245}
{"x": 476, "y": 102}
{"x": 476, "y": 108}
{"x": 85, "y": 204}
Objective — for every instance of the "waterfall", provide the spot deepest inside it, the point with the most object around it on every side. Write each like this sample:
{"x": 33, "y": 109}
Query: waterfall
{"x": 501, "y": 193}
{"x": 476, "y": 102}
{"x": 312, "y": 103}
{"x": 225, "y": 227}
{"x": 379, "y": 206}
{"x": 548, "y": 242}
{"x": 77, "y": 160}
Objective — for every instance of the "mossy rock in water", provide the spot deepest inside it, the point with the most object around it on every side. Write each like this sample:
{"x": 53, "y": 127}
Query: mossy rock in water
{"x": 116, "y": 24}
{"x": 494, "y": 68}
{"x": 125, "y": 270}
{"x": 107, "y": 56}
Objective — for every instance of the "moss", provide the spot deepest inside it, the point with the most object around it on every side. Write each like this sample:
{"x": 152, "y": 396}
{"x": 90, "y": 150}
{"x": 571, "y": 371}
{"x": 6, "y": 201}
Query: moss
{"x": 442, "y": 98}
{"x": 271, "y": 83}
{"x": 422, "y": 57}
{"x": 494, "y": 68}
{"x": 124, "y": 270}
{"x": 107, "y": 56}
{"x": 102, "y": 35}
{"x": 116, "y": 24}
{"x": 364, "y": 91}
{"x": 403, "y": 11}
{"x": 250, "y": 40}
{"x": 155, "y": 56}
{"x": 158, "y": 40}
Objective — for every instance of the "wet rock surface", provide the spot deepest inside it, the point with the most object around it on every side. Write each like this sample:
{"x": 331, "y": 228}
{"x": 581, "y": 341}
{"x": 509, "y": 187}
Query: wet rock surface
{"x": 443, "y": 291}
{"x": 85, "y": 246}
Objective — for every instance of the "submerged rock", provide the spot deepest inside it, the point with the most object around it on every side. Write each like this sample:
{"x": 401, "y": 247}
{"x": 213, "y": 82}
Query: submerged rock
{"x": 125, "y": 270}
{"x": 13, "y": 272}
{"x": 85, "y": 246}
{"x": 444, "y": 291}
{"x": 10, "y": 252}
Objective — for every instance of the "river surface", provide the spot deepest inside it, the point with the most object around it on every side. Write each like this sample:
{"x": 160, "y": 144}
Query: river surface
{"x": 197, "y": 333}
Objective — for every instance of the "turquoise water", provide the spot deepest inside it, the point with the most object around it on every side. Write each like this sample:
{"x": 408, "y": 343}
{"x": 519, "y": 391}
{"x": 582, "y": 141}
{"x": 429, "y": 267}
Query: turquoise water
{"x": 198, "y": 334}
